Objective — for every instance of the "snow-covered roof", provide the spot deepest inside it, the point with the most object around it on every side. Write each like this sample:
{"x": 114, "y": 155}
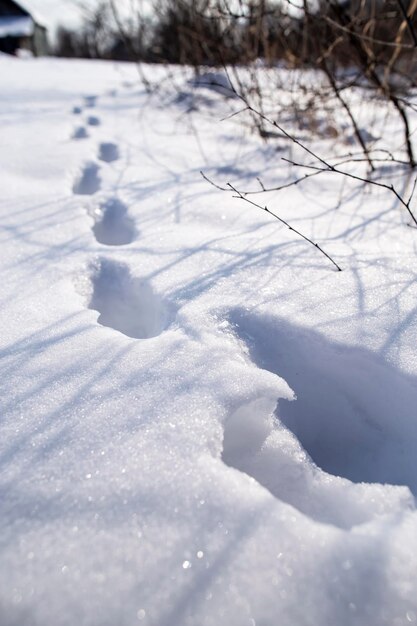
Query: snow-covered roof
{"x": 32, "y": 7}
{"x": 16, "y": 26}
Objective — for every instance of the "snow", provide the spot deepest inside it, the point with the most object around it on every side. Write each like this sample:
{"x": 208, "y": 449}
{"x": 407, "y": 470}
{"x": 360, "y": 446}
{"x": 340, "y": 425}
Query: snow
{"x": 216, "y": 81}
{"x": 39, "y": 10}
{"x": 12, "y": 26}
{"x": 202, "y": 422}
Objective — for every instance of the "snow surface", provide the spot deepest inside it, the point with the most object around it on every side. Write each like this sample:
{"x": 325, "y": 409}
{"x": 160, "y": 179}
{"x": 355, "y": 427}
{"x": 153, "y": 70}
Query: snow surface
{"x": 203, "y": 423}
{"x": 216, "y": 81}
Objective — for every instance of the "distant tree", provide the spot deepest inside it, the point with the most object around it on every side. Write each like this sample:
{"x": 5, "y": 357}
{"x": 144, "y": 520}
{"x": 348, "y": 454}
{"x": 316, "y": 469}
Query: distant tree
{"x": 96, "y": 38}
{"x": 66, "y": 44}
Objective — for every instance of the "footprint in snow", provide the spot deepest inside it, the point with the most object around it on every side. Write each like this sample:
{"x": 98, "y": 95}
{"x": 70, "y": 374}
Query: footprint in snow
{"x": 77, "y": 110}
{"x": 90, "y": 101}
{"x": 88, "y": 180}
{"x": 352, "y": 423}
{"x": 126, "y": 303}
{"x": 108, "y": 152}
{"x": 113, "y": 225}
{"x": 79, "y": 133}
{"x": 93, "y": 120}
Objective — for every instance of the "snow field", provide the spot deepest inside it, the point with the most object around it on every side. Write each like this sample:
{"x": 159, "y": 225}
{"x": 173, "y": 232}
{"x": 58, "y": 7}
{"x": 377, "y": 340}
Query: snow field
{"x": 191, "y": 398}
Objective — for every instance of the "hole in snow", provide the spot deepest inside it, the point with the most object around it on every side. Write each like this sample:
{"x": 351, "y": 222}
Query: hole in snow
{"x": 258, "y": 445}
{"x": 354, "y": 414}
{"x": 126, "y": 303}
{"x": 88, "y": 181}
{"x": 113, "y": 225}
{"x": 108, "y": 152}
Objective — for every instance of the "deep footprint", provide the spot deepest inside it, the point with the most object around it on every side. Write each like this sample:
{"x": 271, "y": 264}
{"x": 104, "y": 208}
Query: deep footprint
{"x": 108, "y": 152}
{"x": 126, "y": 303}
{"x": 88, "y": 180}
{"x": 113, "y": 225}
{"x": 258, "y": 445}
{"x": 354, "y": 413}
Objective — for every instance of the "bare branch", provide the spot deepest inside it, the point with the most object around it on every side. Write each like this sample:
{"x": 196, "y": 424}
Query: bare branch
{"x": 285, "y": 223}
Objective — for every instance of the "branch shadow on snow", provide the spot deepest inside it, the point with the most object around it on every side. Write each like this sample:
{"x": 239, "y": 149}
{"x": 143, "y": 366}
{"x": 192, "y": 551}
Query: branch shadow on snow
{"x": 74, "y": 399}
{"x": 354, "y": 413}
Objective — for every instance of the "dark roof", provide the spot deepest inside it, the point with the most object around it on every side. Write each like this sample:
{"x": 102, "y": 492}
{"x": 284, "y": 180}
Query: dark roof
{"x": 12, "y": 8}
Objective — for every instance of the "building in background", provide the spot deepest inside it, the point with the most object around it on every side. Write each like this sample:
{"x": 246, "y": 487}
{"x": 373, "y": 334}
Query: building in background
{"x": 19, "y": 30}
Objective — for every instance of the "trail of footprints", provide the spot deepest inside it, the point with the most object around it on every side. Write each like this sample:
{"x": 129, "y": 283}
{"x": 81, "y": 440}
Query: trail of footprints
{"x": 124, "y": 302}
{"x": 81, "y": 132}
{"x": 131, "y": 306}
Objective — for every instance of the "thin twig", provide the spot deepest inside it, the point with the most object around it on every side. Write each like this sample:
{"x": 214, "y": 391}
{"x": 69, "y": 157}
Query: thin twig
{"x": 264, "y": 189}
{"x": 362, "y": 179}
{"x": 328, "y": 167}
{"x": 412, "y": 191}
{"x": 280, "y": 219}
{"x": 409, "y": 22}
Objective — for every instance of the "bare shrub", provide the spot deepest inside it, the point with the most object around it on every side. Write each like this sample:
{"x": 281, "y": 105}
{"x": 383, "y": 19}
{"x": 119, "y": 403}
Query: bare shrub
{"x": 301, "y": 70}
